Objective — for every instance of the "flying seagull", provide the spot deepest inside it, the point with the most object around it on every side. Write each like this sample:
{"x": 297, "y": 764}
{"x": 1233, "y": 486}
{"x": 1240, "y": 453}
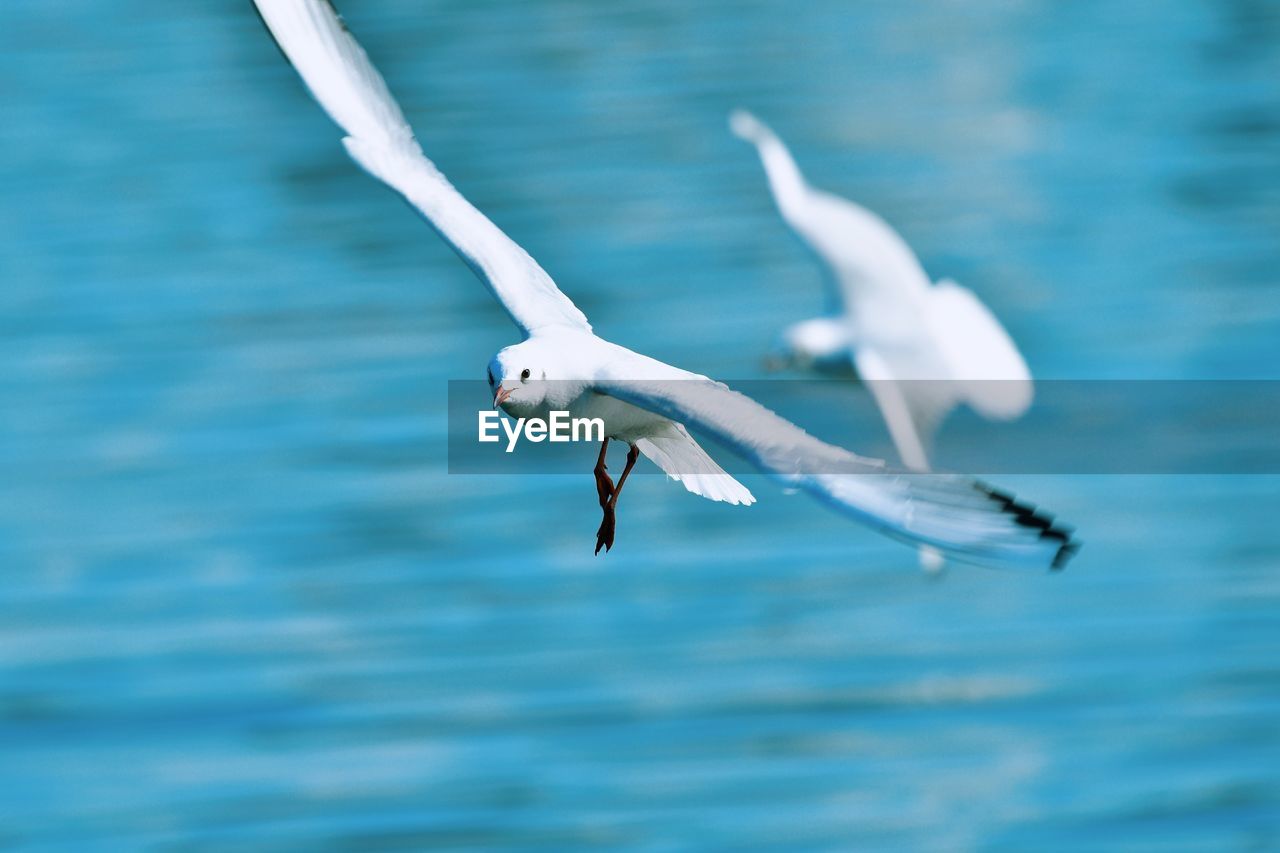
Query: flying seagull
{"x": 921, "y": 348}
{"x": 561, "y": 365}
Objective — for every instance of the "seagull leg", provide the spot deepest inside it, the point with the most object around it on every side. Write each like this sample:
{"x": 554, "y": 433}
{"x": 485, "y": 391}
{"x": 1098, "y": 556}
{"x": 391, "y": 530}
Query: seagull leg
{"x": 632, "y": 455}
{"x": 604, "y": 536}
{"x": 605, "y": 490}
{"x": 604, "y": 483}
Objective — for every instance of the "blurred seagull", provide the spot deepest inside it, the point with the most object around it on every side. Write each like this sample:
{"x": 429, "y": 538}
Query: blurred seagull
{"x": 889, "y": 325}
{"x": 562, "y": 366}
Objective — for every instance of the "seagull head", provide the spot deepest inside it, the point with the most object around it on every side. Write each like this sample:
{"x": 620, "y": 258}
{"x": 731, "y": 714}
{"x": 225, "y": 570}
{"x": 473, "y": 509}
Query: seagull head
{"x": 528, "y": 377}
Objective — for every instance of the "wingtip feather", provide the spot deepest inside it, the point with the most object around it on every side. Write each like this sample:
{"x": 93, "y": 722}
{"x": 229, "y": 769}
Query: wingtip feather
{"x": 1029, "y": 515}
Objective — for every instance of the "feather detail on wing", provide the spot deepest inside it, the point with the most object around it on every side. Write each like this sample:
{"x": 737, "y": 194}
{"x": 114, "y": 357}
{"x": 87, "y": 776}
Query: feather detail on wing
{"x": 684, "y": 460}
{"x": 911, "y": 410}
{"x": 353, "y": 93}
{"x": 962, "y": 517}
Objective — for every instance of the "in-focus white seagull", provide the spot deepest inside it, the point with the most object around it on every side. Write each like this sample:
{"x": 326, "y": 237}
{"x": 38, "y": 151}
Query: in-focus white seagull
{"x": 921, "y": 348}
{"x": 561, "y": 365}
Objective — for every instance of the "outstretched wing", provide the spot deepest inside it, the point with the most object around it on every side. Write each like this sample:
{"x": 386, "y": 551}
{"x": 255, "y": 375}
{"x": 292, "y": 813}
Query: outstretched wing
{"x": 988, "y": 371}
{"x": 348, "y": 87}
{"x": 960, "y": 516}
{"x": 683, "y": 460}
{"x": 862, "y": 252}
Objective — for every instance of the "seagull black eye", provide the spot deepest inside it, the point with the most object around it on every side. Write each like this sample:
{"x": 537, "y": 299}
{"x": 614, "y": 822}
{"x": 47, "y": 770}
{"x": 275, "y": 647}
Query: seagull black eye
{"x": 524, "y": 374}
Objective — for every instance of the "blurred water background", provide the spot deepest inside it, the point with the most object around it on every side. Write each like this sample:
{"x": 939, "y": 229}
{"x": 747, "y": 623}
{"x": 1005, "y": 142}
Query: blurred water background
{"x": 244, "y": 604}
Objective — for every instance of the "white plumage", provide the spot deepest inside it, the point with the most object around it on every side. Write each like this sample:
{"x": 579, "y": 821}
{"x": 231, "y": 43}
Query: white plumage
{"x": 921, "y": 348}
{"x": 561, "y": 364}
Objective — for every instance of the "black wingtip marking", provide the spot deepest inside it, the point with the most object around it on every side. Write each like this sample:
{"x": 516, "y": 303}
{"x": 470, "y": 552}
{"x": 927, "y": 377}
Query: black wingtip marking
{"x": 1064, "y": 555}
{"x": 1028, "y": 515}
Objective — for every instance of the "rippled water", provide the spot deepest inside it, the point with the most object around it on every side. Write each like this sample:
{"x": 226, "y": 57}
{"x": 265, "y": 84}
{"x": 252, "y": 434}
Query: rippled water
{"x": 244, "y": 603}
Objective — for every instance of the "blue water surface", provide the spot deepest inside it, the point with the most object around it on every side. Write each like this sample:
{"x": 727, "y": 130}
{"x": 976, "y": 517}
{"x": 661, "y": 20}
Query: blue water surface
{"x": 245, "y": 605}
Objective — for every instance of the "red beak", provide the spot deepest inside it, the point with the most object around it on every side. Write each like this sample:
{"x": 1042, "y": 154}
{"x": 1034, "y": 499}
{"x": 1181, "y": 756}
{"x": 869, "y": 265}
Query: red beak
{"x": 500, "y": 396}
